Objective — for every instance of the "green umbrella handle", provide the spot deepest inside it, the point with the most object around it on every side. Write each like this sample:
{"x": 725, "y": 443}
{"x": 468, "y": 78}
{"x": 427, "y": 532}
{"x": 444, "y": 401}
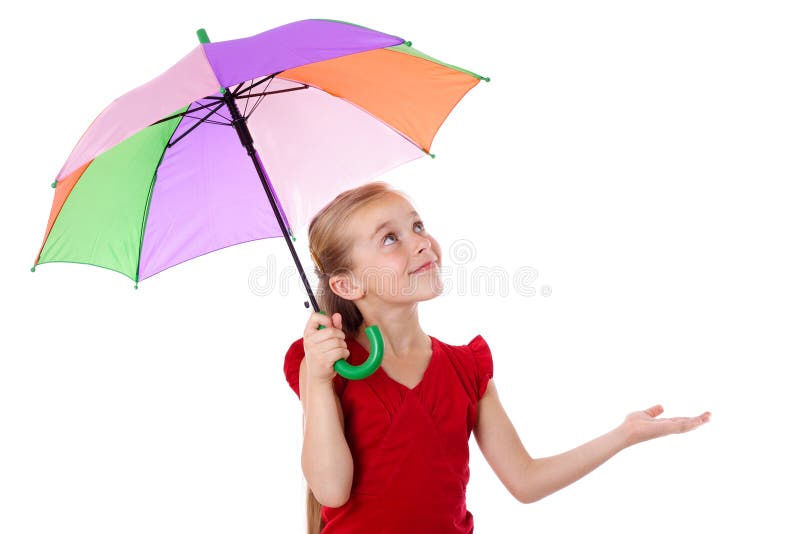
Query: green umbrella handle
{"x": 359, "y": 372}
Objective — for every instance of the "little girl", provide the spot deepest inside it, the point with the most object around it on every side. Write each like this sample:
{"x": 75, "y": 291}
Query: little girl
{"x": 390, "y": 453}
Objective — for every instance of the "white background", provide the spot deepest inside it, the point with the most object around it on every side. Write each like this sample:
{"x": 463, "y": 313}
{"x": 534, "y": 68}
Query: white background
{"x": 640, "y": 156}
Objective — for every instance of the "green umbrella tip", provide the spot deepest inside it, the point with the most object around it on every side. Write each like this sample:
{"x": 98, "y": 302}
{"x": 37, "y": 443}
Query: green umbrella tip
{"x": 33, "y": 269}
{"x": 486, "y": 78}
{"x": 202, "y": 36}
{"x": 407, "y": 43}
{"x": 294, "y": 239}
{"x": 136, "y": 286}
{"x": 431, "y": 154}
{"x": 54, "y": 184}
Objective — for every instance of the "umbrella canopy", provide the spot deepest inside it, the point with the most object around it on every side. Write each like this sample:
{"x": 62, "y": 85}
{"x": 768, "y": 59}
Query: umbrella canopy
{"x": 160, "y": 176}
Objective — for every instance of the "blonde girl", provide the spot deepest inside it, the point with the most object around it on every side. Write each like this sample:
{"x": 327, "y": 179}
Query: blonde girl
{"x": 390, "y": 453}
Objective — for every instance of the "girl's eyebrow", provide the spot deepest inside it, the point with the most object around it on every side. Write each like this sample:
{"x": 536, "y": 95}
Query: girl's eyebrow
{"x": 384, "y": 224}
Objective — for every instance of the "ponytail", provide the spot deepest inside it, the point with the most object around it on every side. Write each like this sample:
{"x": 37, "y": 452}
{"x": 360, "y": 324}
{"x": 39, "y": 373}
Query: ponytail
{"x": 313, "y": 513}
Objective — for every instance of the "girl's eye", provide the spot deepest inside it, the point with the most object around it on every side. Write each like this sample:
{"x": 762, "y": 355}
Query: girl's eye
{"x": 393, "y": 236}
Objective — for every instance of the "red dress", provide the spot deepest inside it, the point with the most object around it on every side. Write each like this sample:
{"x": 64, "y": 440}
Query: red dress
{"x": 410, "y": 447}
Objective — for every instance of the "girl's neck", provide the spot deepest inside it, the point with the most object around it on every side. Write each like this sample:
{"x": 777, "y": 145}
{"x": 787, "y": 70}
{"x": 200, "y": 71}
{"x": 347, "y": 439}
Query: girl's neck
{"x": 400, "y": 329}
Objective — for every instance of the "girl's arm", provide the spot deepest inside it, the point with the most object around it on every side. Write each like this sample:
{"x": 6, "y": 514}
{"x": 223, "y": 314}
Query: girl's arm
{"x": 326, "y": 459}
{"x": 529, "y": 479}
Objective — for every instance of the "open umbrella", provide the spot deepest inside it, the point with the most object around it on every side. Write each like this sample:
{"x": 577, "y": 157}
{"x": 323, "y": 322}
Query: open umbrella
{"x": 179, "y": 166}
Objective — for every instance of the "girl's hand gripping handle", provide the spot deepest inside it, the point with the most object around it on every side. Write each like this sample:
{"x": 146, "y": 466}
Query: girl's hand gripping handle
{"x": 358, "y": 372}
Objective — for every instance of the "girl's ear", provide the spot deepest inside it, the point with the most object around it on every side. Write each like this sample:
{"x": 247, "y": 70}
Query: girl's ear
{"x": 345, "y": 286}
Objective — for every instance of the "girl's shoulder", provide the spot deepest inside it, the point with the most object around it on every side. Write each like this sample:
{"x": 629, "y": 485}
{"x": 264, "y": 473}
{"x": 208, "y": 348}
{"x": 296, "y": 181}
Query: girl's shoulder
{"x": 473, "y": 361}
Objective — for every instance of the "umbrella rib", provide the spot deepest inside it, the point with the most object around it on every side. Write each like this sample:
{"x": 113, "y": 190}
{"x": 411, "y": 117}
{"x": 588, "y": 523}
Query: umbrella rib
{"x": 223, "y": 117}
{"x": 245, "y": 106}
{"x": 209, "y": 121}
{"x": 255, "y": 84}
{"x": 198, "y": 123}
{"x": 183, "y": 113}
{"x": 253, "y": 95}
{"x": 246, "y": 115}
{"x": 238, "y": 94}
{"x": 262, "y": 95}
{"x": 258, "y": 101}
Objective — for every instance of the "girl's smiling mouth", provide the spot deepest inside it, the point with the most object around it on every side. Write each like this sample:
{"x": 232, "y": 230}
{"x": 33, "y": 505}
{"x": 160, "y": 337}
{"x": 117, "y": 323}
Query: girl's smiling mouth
{"x": 423, "y": 268}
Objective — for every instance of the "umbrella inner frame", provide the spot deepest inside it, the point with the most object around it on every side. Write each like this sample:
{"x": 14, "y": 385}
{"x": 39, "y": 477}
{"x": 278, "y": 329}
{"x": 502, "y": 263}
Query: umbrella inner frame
{"x": 211, "y": 105}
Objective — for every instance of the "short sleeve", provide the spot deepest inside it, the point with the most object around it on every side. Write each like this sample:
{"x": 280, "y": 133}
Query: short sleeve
{"x": 291, "y": 368}
{"x": 291, "y": 365}
{"x": 484, "y": 366}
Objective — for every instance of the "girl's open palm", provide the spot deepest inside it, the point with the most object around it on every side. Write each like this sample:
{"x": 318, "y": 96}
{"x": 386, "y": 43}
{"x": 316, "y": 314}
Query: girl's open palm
{"x": 643, "y": 425}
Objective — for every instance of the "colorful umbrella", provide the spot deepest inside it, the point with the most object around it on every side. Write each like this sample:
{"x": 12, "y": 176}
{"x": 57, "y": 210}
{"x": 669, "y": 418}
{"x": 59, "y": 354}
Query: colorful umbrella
{"x": 178, "y": 167}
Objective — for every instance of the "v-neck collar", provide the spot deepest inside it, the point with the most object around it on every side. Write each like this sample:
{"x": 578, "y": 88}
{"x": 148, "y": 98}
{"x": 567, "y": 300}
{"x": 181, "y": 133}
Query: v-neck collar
{"x": 382, "y": 372}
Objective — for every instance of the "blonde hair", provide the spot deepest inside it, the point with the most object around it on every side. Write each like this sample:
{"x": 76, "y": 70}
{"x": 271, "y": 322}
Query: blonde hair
{"x": 330, "y": 250}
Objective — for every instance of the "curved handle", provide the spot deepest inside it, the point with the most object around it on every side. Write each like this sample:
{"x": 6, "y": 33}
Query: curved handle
{"x": 371, "y": 364}
{"x": 358, "y": 372}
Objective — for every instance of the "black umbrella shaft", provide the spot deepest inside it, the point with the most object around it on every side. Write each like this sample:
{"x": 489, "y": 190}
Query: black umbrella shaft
{"x": 240, "y": 124}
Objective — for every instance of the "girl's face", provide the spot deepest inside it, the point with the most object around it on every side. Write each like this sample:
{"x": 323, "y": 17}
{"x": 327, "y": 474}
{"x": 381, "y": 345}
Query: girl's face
{"x": 394, "y": 258}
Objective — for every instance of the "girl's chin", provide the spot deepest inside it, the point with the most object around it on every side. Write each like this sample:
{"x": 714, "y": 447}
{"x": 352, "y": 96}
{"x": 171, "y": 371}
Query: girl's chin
{"x": 429, "y": 297}
{"x": 429, "y": 289}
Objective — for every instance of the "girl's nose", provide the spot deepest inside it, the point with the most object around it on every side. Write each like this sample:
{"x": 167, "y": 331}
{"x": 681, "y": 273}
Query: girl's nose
{"x": 424, "y": 243}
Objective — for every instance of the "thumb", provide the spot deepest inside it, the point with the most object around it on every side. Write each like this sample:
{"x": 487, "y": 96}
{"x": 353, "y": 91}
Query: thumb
{"x": 337, "y": 320}
{"x": 654, "y": 411}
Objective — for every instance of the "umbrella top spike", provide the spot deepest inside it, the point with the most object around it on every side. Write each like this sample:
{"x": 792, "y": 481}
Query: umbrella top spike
{"x": 202, "y": 36}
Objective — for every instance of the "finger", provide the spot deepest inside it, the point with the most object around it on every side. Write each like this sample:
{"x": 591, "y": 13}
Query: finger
{"x": 338, "y": 354}
{"x": 318, "y": 336}
{"x": 685, "y": 424}
{"x": 331, "y": 355}
{"x": 315, "y": 320}
{"x": 327, "y": 343}
{"x": 701, "y": 419}
{"x": 654, "y": 411}
{"x": 690, "y": 423}
{"x": 337, "y": 320}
